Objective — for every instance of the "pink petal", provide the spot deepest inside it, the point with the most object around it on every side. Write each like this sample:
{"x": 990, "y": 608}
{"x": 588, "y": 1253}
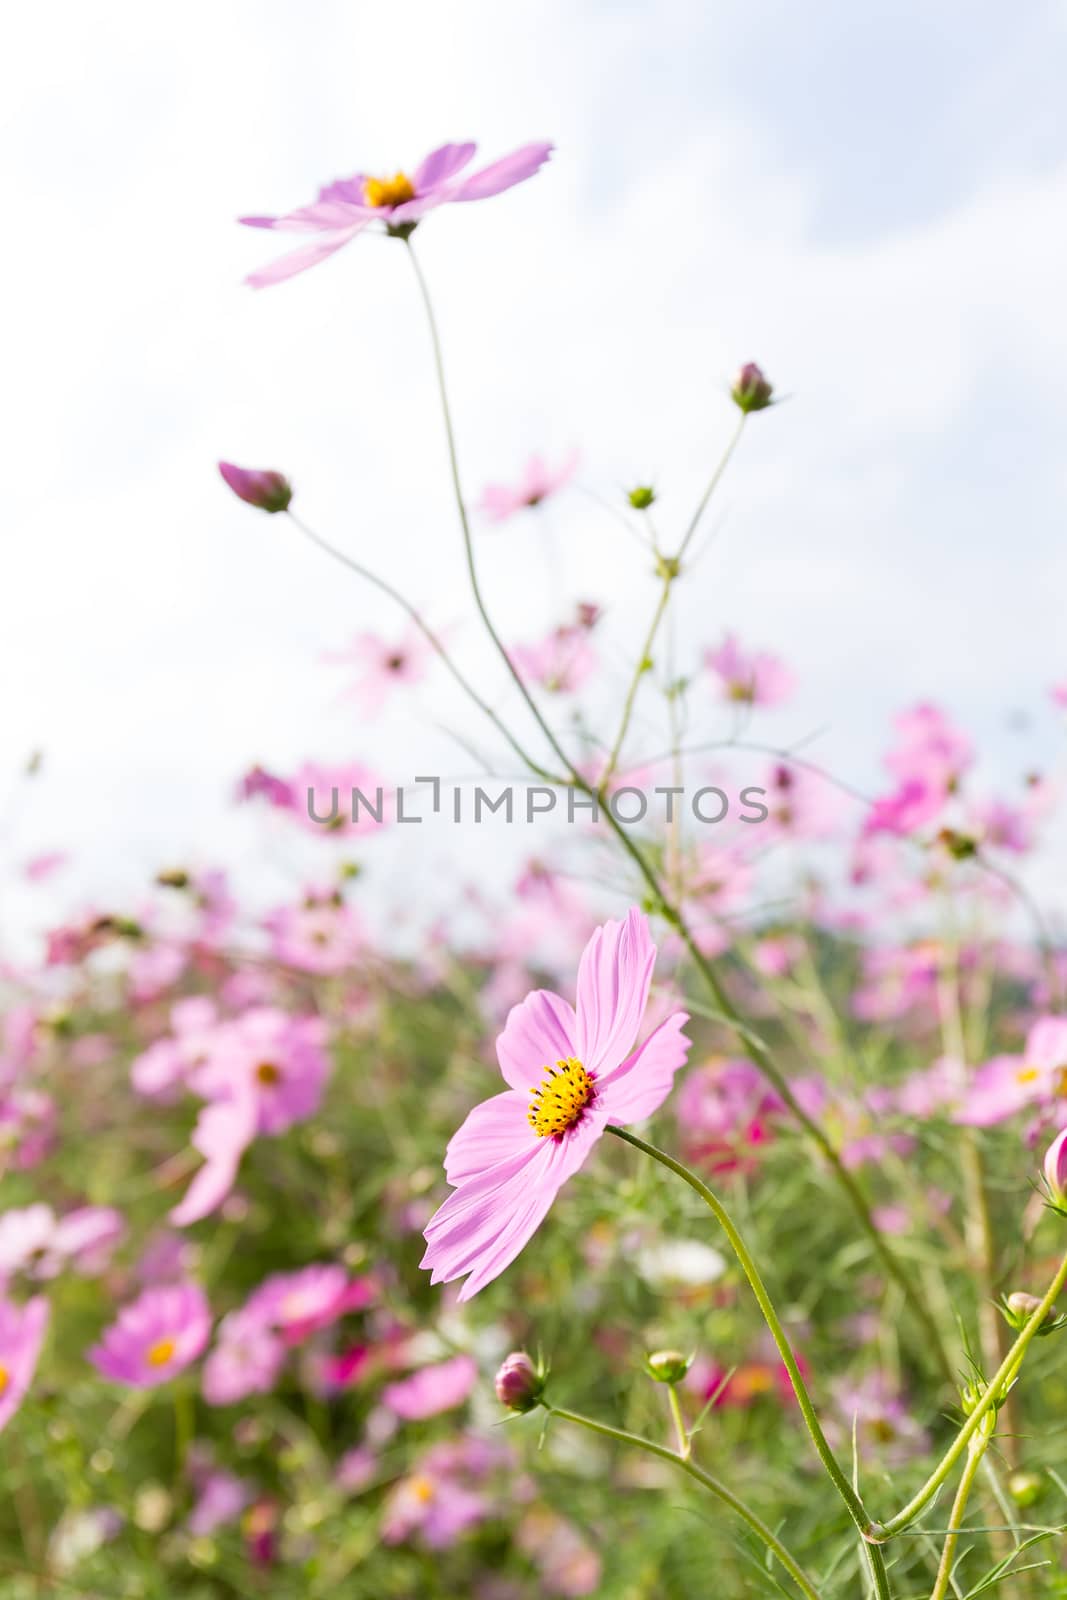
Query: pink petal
{"x": 614, "y": 977}
{"x": 300, "y": 260}
{"x": 503, "y": 174}
{"x": 492, "y": 1132}
{"x": 540, "y": 1031}
{"x": 223, "y": 1132}
{"x": 639, "y": 1087}
{"x": 442, "y": 164}
{"x": 483, "y": 1225}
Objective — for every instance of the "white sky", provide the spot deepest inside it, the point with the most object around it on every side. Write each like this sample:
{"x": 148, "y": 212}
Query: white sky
{"x": 871, "y": 202}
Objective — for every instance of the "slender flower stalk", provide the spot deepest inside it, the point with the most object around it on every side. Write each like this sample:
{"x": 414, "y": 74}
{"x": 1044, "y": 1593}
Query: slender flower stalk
{"x": 668, "y": 572}
{"x": 955, "y": 1520}
{"x": 684, "y": 1444}
{"x": 670, "y": 911}
{"x": 716, "y": 478}
{"x": 464, "y": 520}
{"x": 993, "y": 1391}
{"x": 428, "y": 634}
{"x": 712, "y": 1484}
{"x": 854, "y": 1505}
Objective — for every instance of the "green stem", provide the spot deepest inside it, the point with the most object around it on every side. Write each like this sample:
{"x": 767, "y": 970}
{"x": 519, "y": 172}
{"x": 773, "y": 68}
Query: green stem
{"x": 770, "y": 1070}
{"x": 702, "y": 505}
{"x": 955, "y": 1521}
{"x": 464, "y": 520}
{"x": 428, "y": 634}
{"x": 712, "y": 1484}
{"x": 852, "y": 1501}
{"x": 644, "y": 662}
{"x": 992, "y": 1392}
{"x": 679, "y": 1421}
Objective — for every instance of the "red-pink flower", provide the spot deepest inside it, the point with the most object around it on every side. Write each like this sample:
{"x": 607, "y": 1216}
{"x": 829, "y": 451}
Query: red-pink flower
{"x": 157, "y": 1336}
{"x": 570, "y": 1073}
{"x": 749, "y": 678}
{"x": 537, "y": 481}
{"x": 22, "y": 1331}
{"x": 345, "y": 208}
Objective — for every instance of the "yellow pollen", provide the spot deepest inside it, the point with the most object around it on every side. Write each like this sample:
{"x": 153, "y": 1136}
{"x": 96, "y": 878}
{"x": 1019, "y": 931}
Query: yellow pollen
{"x": 267, "y": 1073}
{"x": 161, "y": 1352}
{"x": 563, "y": 1095}
{"x": 422, "y": 1489}
{"x": 4, "y": 1380}
{"x": 1026, "y": 1075}
{"x": 388, "y": 191}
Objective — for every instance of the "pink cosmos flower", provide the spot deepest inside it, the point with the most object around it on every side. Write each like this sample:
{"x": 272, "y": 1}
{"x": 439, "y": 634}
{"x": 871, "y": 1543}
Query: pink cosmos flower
{"x": 22, "y": 1331}
{"x": 756, "y": 679}
{"x": 384, "y": 665}
{"x": 43, "y": 866}
{"x": 1009, "y": 1084}
{"x": 322, "y": 935}
{"x": 246, "y": 1359}
{"x": 157, "y": 1336}
{"x": 1055, "y": 1169}
{"x": 432, "y": 1390}
{"x": 220, "y": 1497}
{"x": 298, "y": 1304}
{"x": 500, "y": 501}
{"x": 562, "y": 662}
{"x": 1059, "y": 694}
{"x": 569, "y": 1076}
{"x": 345, "y": 208}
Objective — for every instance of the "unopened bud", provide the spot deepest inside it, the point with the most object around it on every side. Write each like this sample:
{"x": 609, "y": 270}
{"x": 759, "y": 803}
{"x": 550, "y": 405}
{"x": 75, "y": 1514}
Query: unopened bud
{"x": 1055, "y": 1169}
{"x": 519, "y": 1385}
{"x": 960, "y": 846}
{"x": 1025, "y": 1487}
{"x": 750, "y": 390}
{"x": 667, "y": 1366}
{"x": 1019, "y": 1307}
{"x": 267, "y": 491}
{"x": 641, "y": 497}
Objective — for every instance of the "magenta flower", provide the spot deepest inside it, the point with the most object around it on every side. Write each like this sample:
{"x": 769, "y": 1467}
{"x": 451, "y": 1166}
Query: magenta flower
{"x": 538, "y": 480}
{"x": 345, "y": 208}
{"x": 298, "y": 1304}
{"x": 569, "y": 1075}
{"x": 756, "y": 679}
{"x": 267, "y": 491}
{"x": 561, "y": 663}
{"x": 431, "y": 1390}
{"x": 157, "y": 1336}
{"x": 22, "y": 1331}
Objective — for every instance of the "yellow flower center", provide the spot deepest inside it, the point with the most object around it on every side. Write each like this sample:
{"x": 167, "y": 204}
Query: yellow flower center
{"x": 422, "y": 1489}
{"x": 557, "y": 1104}
{"x": 1026, "y": 1075}
{"x": 161, "y": 1352}
{"x": 388, "y": 191}
{"x": 4, "y": 1380}
{"x": 267, "y": 1073}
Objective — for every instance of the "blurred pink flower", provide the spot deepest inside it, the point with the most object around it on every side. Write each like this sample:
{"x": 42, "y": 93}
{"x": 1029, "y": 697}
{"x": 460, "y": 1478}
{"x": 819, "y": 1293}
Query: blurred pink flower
{"x": 1008, "y": 1084}
{"x": 345, "y": 208}
{"x": 569, "y": 1076}
{"x": 43, "y": 866}
{"x": 726, "y": 1114}
{"x": 22, "y": 1331}
{"x": 298, "y": 1304}
{"x": 432, "y": 1389}
{"x": 562, "y": 662}
{"x": 538, "y": 481}
{"x": 384, "y": 665}
{"x": 155, "y": 1337}
{"x": 246, "y": 1359}
{"x": 757, "y": 679}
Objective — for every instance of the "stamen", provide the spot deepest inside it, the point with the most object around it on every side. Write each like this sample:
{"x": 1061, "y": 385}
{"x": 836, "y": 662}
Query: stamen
{"x": 558, "y": 1104}
{"x": 161, "y": 1352}
{"x": 393, "y": 191}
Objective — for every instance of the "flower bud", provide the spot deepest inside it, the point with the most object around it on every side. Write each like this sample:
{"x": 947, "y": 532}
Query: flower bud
{"x": 641, "y": 497}
{"x": 667, "y": 1366}
{"x": 1056, "y": 1171}
{"x": 1018, "y": 1307}
{"x": 750, "y": 390}
{"x": 518, "y": 1383}
{"x": 267, "y": 491}
{"x": 1025, "y": 1487}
